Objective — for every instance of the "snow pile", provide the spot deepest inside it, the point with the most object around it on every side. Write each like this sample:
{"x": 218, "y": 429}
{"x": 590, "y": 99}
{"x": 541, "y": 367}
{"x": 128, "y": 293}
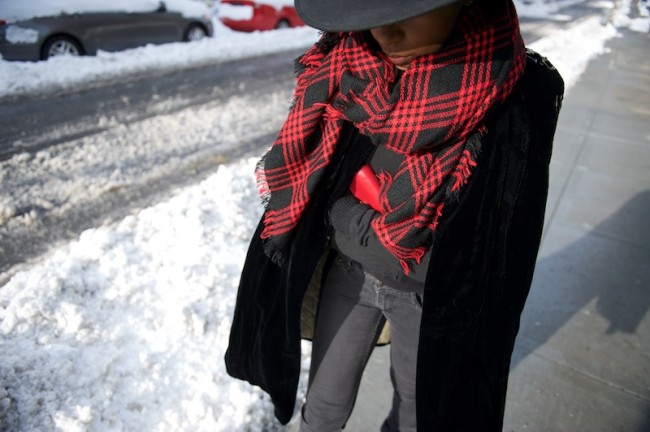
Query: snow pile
{"x": 279, "y": 4}
{"x": 633, "y": 16}
{"x": 545, "y": 9}
{"x": 125, "y": 329}
{"x": 570, "y": 51}
{"x": 242, "y": 12}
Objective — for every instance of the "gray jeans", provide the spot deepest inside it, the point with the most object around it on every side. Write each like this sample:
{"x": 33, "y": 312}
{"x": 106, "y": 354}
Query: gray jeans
{"x": 352, "y": 311}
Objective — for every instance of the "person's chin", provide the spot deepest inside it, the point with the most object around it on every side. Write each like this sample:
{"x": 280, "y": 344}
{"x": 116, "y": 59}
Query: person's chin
{"x": 401, "y": 62}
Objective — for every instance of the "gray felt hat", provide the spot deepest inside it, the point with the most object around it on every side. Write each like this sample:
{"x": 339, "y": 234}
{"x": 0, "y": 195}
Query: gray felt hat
{"x": 353, "y": 15}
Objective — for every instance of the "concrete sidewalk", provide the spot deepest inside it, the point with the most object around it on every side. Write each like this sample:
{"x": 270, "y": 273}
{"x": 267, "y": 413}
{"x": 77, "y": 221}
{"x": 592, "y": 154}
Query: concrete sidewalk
{"x": 582, "y": 359}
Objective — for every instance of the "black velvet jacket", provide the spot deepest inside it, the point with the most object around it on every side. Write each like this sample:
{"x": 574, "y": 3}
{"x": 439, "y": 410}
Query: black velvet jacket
{"x": 478, "y": 279}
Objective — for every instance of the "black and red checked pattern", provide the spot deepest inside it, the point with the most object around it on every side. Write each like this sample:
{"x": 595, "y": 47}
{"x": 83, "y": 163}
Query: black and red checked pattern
{"x": 433, "y": 114}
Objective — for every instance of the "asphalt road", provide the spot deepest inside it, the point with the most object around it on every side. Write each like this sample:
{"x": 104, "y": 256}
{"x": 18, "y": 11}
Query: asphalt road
{"x": 31, "y": 123}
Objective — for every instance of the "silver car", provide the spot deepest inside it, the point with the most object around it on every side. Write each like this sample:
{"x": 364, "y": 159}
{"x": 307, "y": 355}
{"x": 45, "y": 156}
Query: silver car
{"x": 107, "y": 25}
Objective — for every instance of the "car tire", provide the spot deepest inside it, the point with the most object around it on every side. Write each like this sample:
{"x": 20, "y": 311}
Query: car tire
{"x": 282, "y": 24}
{"x": 194, "y": 32}
{"x": 61, "y": 45}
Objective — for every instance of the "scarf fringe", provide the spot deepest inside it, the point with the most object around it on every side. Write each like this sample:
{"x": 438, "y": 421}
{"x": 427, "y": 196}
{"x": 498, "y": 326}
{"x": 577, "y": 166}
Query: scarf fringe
{"x": 466, "y": 164}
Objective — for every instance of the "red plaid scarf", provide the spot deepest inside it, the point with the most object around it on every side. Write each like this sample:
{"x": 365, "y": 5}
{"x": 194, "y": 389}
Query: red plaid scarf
{"x": 431, "y": 115}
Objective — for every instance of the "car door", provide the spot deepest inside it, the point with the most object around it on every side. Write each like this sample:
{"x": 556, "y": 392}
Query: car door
{"x": 119, "y": 30}
{"x": 108, "y": 31}
{"x": 156, "y": 27}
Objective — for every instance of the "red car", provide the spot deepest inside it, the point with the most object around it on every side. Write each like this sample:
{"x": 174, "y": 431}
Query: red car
{"x": 249, "y": 16}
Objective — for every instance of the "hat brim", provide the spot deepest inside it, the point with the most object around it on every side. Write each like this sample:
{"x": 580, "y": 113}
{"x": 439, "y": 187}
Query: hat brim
{"x": 356, "y": 15}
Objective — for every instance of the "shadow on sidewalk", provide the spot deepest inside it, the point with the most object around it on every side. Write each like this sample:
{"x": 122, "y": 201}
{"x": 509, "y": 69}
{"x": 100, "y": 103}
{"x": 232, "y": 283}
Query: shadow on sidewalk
{"x": 597, "y": 267}
{"x": 599, "y": 282}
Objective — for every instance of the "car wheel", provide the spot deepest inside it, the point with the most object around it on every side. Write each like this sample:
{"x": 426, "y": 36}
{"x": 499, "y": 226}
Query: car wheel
{"x": 282, "y": 24}
{"x": 59, "y": 46}
{"x": 194, "y": 32}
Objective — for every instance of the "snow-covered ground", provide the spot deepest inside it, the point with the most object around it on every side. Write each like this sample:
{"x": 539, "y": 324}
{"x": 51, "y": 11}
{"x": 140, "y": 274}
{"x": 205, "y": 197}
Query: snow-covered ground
{"x": 125, "y": 327}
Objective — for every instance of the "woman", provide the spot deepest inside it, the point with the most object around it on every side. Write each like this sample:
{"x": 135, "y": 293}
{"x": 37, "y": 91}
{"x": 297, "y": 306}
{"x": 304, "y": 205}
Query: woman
{"x": 413, "y": 170}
